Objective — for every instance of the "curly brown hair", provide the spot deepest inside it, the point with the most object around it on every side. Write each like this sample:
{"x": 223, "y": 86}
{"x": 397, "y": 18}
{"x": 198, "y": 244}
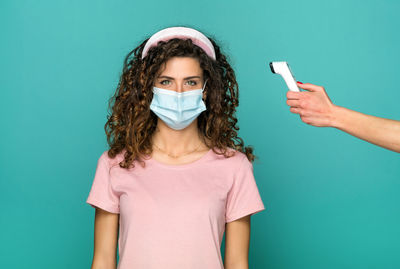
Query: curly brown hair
{"x": 130, "y": 126}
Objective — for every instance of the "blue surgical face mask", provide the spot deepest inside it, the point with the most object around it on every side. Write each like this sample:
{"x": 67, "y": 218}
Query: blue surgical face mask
{"x": 177, "y": 109}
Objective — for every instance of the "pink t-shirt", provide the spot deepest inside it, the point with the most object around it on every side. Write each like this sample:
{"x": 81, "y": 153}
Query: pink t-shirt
{"x": 173, "y": 216}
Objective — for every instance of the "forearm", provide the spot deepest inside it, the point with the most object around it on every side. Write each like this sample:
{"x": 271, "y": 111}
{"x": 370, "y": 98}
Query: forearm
{"x": 103, "y": 264}
{"x": 379, "y": 131}
{"x": 244, "y": 265}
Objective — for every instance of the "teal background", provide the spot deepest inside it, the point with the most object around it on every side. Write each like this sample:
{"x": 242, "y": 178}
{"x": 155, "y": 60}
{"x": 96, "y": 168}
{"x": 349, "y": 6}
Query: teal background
{"x": 332, "y": 200}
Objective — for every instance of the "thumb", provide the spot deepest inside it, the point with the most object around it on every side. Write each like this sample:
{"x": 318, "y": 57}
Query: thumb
{"x": 309, "y": 87}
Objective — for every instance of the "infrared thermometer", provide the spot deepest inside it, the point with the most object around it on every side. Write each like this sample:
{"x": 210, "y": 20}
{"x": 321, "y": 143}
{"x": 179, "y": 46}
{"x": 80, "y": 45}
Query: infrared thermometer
{"x": 283, "y": 69}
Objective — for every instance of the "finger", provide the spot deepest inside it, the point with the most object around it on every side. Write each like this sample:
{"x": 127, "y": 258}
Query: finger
{"x": 293, "y": 95}
{"x": 295, "y": 110}
{"x": 300, "y": 111}
{"x": 310, "y": 87}
{"x": 294, "y": 103}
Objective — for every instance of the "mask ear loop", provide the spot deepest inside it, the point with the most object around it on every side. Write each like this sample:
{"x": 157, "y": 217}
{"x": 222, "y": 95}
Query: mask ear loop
{"x": 204, "y": 86}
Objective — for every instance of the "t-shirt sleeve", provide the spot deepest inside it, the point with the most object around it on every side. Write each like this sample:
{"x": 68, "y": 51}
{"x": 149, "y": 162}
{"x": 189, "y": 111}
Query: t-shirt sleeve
{"x": 102, "y": 194}
{"x": 243, "y": 198}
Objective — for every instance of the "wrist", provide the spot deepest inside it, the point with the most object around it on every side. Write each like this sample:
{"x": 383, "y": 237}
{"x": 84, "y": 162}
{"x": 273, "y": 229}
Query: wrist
{"x": 337, "y": 117}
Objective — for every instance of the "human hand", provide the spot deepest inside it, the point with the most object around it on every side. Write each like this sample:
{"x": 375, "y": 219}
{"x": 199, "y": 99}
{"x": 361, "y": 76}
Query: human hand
{"x": 313, "y": 105}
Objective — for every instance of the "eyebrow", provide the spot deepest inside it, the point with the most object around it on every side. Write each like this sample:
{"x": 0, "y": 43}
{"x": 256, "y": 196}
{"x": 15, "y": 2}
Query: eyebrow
{"x": 173, "y": 78}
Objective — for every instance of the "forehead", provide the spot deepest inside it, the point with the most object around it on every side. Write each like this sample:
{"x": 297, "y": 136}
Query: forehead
{"x": 180, "y": 67}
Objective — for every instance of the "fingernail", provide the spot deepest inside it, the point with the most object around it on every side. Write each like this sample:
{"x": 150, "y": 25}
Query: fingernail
{"x": 299, "y": 82}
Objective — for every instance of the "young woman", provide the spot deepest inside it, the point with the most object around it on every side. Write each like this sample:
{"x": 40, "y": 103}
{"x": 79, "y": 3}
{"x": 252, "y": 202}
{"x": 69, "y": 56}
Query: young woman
{"x": 176, "y": 175}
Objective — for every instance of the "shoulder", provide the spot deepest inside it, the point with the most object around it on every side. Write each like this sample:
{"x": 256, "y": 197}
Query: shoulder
{"x": 111, "y": 162}
{"x": 236, "y": 157}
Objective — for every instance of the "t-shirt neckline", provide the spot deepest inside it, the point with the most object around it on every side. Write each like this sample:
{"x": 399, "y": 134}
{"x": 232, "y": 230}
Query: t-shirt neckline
{"x": 182, "y": 166}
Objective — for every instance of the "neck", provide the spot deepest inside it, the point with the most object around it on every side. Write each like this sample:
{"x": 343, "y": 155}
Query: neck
{"x": 178, "y": 141}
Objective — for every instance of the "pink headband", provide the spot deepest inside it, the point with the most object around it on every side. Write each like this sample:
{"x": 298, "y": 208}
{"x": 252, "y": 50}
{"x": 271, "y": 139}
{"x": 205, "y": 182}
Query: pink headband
{"x": 184, "y": 33}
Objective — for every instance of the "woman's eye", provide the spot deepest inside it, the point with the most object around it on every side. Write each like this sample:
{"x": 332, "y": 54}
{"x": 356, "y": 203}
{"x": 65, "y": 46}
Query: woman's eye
{"x": 162, "y": 82}
{"x": 192, "y": 82}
